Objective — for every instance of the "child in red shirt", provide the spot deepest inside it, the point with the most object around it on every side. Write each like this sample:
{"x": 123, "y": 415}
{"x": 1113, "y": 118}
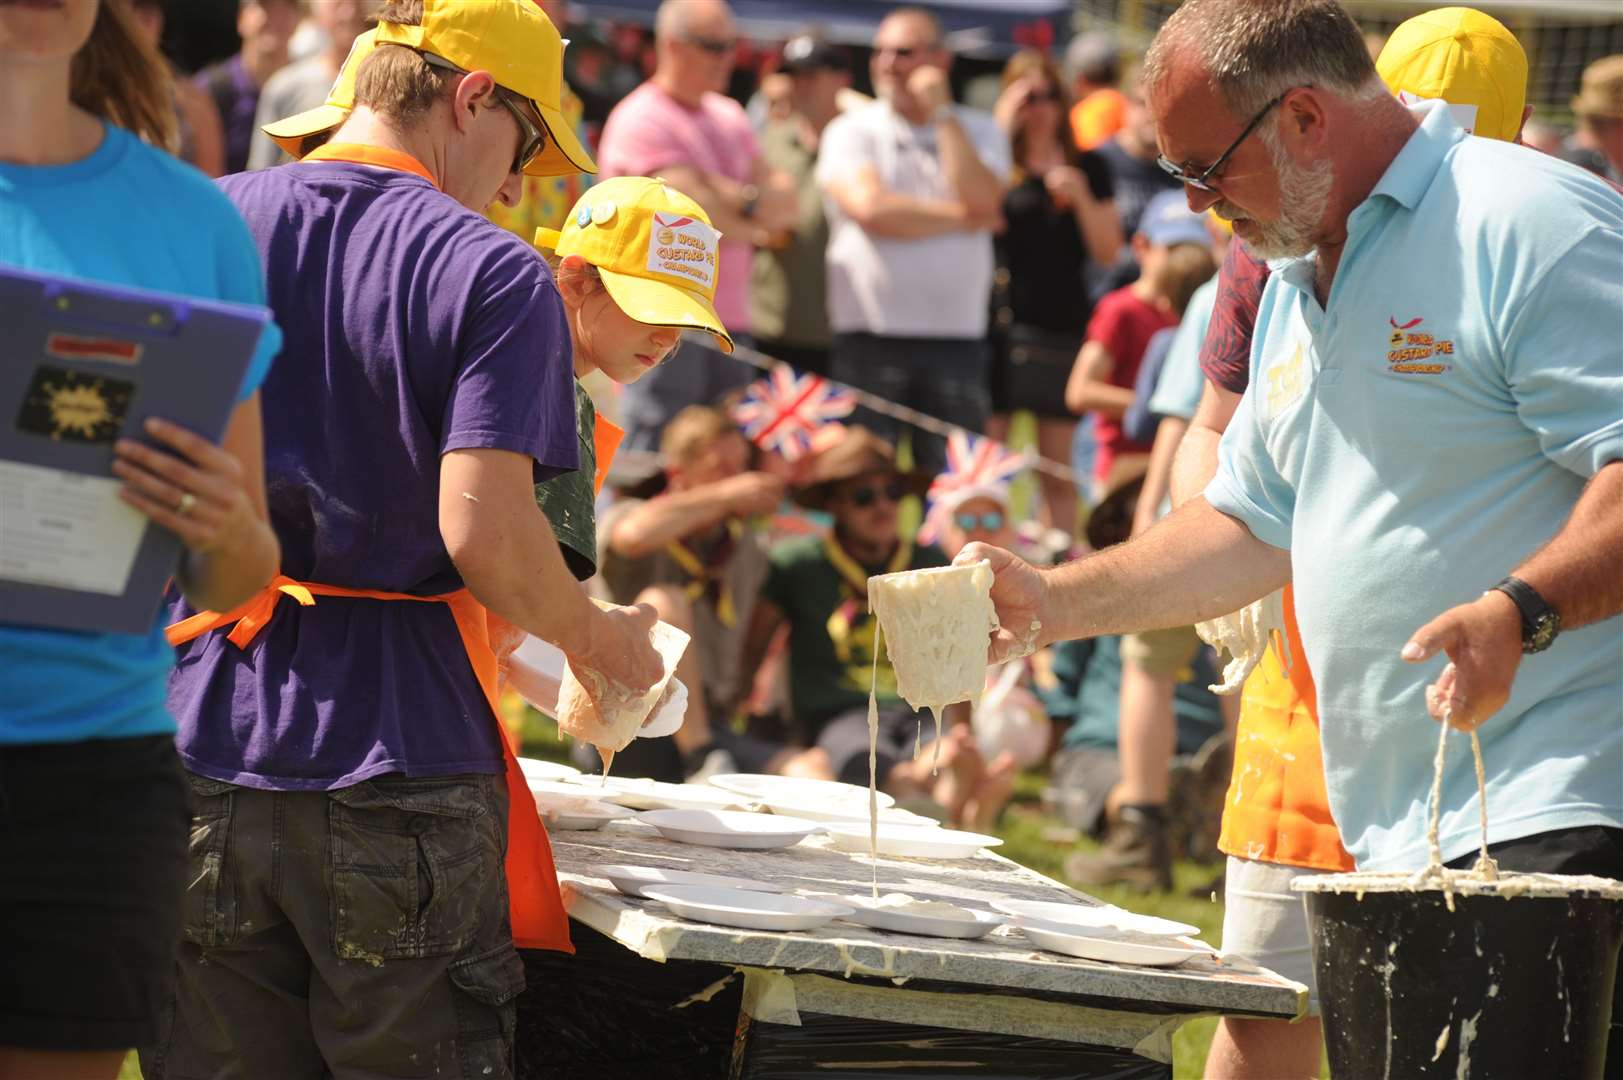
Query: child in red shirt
{"x": 1171, "y": 246}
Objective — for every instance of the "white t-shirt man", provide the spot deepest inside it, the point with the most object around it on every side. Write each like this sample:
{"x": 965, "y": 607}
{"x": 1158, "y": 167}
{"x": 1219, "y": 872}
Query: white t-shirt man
{"x": 936, "y": 286}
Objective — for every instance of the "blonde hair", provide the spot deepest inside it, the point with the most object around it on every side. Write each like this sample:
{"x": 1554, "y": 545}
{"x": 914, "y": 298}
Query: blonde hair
{"x": 1187, "y": 268}
{"x": 692, "y": 430}
{"x": 117, "y": 76}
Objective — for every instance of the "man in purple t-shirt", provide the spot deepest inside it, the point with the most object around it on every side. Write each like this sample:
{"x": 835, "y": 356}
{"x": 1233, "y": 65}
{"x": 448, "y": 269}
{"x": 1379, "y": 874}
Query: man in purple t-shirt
{"x": 348, "y": 911}
{"x": 681, "y": 126}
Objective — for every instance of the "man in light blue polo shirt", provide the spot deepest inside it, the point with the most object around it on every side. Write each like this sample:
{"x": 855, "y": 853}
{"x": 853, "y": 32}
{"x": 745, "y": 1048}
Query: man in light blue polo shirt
{"x": 1450, "y": 415}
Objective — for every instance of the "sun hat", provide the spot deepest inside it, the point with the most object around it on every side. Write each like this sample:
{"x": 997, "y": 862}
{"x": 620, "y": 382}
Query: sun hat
{"x": 1463, "y": 57}
{"x": 1601, "y": 92}
{"x": 654, "y": 248}
{"x": 859, "y": 453}
{"x": 512, "y": 39}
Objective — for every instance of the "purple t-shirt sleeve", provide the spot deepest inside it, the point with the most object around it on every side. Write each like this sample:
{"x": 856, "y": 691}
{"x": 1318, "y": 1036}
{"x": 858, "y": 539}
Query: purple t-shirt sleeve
{"x": 1225, "y": 356}
{"x": 514, "y": 389}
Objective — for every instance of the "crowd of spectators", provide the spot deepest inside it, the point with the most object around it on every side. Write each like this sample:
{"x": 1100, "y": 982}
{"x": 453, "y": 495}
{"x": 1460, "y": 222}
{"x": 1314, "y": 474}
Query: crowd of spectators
{"x": 971, "y": 264}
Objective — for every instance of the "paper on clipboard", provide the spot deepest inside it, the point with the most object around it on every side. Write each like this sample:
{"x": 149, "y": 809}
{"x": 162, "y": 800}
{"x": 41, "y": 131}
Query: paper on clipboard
{"x": 83, "y": 364}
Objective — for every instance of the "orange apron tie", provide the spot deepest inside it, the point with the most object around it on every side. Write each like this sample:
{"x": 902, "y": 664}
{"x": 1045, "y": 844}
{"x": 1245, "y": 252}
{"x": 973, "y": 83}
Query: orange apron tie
{"x": 536, "y": 906}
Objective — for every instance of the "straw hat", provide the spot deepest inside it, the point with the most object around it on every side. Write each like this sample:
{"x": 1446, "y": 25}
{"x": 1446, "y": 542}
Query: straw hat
{"x": 859, "y": 453}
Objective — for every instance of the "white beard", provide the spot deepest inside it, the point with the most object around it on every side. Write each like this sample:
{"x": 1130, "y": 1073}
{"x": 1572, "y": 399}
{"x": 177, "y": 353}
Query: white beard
{"x": 1304, "y": 193}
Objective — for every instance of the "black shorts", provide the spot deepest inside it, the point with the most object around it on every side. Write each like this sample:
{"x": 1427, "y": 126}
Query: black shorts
{"x": 93, "y": 845}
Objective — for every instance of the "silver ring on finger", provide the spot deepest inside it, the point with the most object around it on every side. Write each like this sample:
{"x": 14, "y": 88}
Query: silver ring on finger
{"x": 187, "y": 501}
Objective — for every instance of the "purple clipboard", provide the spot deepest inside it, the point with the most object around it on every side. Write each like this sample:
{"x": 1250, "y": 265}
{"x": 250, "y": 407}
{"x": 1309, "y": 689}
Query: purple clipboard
{"x": 81, "y": 365}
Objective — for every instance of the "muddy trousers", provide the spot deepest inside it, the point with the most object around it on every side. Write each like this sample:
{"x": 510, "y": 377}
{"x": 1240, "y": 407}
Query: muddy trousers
{"x": 360, "y": 933}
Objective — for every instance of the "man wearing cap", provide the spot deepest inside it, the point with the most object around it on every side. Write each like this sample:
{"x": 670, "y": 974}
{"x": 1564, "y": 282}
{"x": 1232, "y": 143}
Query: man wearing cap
{"x": 1408, "y": 443}
{"x": 681, "y": 126}
{"x": 303, "y": 84}
{"x": 788, "y": 280}
{"x": 355, "y": 804}
{"x": 913, "y": 185}
{"x": 1599, "y": 108}
{"x": 818, "y": 587}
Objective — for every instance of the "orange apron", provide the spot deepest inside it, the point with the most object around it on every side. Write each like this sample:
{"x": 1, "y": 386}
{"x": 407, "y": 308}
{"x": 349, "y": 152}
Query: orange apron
{"x": 537, "y": 908}
{"x": 1277, "y": 809}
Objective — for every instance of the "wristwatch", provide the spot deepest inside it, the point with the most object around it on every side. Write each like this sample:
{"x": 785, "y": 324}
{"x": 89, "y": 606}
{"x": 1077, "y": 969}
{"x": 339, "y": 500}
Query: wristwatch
{"x": 751, "y": 199}
{"x": 1540, "y": 623}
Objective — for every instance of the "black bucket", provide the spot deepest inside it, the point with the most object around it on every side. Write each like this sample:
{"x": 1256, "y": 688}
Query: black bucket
{"x": 1512, "y": 987}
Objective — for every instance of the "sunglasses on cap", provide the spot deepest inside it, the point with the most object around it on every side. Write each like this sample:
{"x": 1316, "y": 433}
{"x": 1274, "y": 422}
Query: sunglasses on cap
{"x": 713, "y": 46}
{"x": 865, "y": 496}
{"x": 1201, "y": 179}
{"x": 534, "y": 139}
{"x": 991, "y": 521}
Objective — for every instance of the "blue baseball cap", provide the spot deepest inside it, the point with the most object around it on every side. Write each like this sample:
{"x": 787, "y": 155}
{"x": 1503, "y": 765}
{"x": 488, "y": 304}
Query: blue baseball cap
{"x": 1168, "y": 220}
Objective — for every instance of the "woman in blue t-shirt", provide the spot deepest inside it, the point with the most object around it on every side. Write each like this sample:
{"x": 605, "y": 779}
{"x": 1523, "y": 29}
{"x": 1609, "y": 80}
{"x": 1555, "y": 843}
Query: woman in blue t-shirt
{"x": 93, "y": 804}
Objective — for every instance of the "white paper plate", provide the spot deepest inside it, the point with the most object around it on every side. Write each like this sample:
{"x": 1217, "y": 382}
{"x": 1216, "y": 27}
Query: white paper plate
{"x": 815, "y": 810}
{"x": 1111, "y": 947}
{"x": 762, "y": 788}
{"x": 729, "y": 828}
{"x": 640, "y": 793}
{"x": 902, "y": 922}
{"x": 536, "y": 769}
{"x": 632, "y": 880}
{"x": 911, "y": 841}
{"x": 573, "y": 812}
{"x": 1069, "y": 917}
{"x": 750, "y": 910}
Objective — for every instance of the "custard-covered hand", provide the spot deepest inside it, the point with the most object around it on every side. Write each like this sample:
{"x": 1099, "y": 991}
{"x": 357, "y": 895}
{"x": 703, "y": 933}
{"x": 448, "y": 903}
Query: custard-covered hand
{"x": 618, "y": 647}
{"x": 195, "y": 490}
{"x": 1020, "y": 598}
{"x": 929, "y": 87}
{"x": 1483, "y": 640}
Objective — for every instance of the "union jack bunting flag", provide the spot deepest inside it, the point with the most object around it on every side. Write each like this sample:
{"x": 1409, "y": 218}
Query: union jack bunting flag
{"x": 974, "y": 462}
{"x": 784, "y": 411}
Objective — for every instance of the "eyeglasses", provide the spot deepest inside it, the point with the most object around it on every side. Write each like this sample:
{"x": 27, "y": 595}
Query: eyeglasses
{"x": 991, "y": 521}
{"x": 713, "y": 46}
{"x": 864, "y": 497}
{"x": 532, "y": 138}
{"x": 900, "y": 52}
{"x": 1201, "y": 180}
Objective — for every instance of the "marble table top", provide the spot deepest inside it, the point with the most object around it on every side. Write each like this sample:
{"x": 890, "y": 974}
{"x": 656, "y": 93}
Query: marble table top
{"x": 1003, "y": 963}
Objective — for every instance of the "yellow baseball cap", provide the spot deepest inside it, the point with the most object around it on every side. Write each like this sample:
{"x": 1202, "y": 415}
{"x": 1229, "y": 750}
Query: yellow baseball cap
{"x": 512, "y": 39}
{"x": 291, "y": 132}
{"x": 1463, "y": 57}
{"x": 654, "y": 248}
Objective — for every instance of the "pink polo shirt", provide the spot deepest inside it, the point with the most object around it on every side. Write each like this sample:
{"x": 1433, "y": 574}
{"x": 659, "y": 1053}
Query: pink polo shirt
{"x": 650, "y": 131}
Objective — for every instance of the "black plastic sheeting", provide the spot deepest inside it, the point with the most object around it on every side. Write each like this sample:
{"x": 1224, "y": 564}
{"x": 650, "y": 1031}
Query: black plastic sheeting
{"x": 838, "y": 1046}
{"x": 608, "y": 1014}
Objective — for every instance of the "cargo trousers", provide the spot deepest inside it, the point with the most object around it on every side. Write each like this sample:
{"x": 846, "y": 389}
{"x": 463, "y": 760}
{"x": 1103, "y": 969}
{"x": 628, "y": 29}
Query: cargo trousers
{"x": 355, "y": 933}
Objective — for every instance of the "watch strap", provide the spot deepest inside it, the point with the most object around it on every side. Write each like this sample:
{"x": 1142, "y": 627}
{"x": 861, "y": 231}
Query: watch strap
{"x": 1537, "y": 615}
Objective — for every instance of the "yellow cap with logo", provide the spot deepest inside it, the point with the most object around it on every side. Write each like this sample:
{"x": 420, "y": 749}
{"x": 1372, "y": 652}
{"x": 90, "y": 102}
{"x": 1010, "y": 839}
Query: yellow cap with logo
{"x": 654, "y": 248}
{"x": 1463, "y": 57}
{"x": 512, "y": 39}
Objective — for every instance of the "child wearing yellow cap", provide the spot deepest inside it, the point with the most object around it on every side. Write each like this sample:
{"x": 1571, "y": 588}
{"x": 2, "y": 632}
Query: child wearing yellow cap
{"x": 635, "y": 265}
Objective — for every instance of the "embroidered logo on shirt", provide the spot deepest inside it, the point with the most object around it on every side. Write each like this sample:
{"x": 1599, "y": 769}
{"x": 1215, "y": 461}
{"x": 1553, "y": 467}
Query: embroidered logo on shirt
{"x": 1415, "y": 352}
{"x": 1284, "y": 382}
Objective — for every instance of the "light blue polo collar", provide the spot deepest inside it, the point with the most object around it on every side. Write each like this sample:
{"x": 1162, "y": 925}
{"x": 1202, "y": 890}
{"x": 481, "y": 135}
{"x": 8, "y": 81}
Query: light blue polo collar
{"x": 1404, "y": 182}
{"x": 1411, "y": 173}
